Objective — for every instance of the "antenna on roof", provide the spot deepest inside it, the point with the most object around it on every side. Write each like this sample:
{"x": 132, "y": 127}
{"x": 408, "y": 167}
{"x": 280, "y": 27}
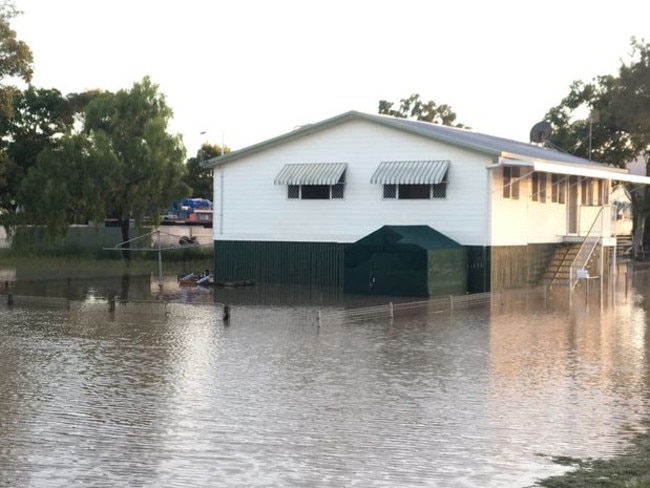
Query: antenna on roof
{"x": 540, "y": 132}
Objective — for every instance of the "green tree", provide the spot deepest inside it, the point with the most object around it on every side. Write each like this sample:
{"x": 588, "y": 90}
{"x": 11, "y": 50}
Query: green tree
{"x": 631, "y": 108}
{"x": 198, "y": 178}
{"x": 595, "y": 135}
{"x": 149, "y": 169}
{"x": 414, "y": 108}
{"x": 15, "y": 58}
{"x": 15, "y": 64}
{"x": 630, "y": 101}
{"x": 41, "y": 117}
{"x": 124, "y": 164}
{"x": 68, "y": 183}
{"x": 617, "y": 127}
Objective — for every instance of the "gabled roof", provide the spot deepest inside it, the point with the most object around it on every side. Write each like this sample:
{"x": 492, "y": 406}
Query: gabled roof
{"x": 496, "y": 147}
{"x": 395, "y": 236}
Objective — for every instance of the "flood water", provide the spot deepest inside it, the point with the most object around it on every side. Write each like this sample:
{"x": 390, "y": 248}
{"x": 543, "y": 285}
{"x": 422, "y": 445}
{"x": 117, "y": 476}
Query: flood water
{"x": 167, "y": 395}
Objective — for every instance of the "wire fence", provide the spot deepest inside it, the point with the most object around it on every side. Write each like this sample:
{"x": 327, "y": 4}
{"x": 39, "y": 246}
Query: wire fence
{"x": 433, "y": 305}
{"x": 300, "y": 314}
{"x": 116, "y": 306}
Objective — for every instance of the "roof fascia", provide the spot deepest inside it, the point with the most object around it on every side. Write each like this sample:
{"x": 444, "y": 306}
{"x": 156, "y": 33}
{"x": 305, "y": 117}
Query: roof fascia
{"x": 281, "y": 139}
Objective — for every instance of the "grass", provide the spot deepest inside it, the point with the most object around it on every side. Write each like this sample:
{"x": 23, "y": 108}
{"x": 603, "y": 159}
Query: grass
{"x": 31, "y": 267}
{"x": 631, "y": 469}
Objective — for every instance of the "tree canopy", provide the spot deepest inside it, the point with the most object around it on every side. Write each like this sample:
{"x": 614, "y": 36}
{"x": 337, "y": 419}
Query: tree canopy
{"x": 414, "y": 108}
{"x": 198, "y": 178}
{"x": 608, "y": 118}
{"x": 616, "y": 127}
{"x": 123, "y": 164}
{"x": 41, "y": 117}
{"x": 15, "y": 58}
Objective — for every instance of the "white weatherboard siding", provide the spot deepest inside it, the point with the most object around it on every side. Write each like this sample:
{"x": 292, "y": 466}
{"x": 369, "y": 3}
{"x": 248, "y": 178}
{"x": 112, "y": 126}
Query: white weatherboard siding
{"x": 523, "y": 221}
{"x": 254, "y": 208}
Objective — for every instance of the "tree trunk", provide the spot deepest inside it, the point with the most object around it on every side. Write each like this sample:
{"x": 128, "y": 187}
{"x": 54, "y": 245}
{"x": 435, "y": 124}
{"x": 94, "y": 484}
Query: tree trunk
{"x": 126, "y": 246}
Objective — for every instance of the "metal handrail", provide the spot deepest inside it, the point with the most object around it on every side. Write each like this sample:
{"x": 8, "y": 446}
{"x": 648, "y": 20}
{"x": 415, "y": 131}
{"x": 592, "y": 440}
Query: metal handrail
{"x": 586, "y": 250}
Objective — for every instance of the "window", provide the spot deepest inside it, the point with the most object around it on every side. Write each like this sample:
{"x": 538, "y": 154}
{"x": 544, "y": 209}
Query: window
{"x": 558, "y": 188}
{"x": 511, "y": 175}
{"x": 602, "y": 194}
{"x": 412, "y": 180}
{"x": 415, "y": 192}
{"x": 313, "y": 181}
{"x": 539, "y": 187}
{"x": 586, "y": 191}
{"x": 316, "y": 192}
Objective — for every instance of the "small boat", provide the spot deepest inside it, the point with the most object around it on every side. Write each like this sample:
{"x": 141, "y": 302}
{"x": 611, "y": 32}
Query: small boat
{"x": 207, "y": 279}
{"x": 194, "y": 280}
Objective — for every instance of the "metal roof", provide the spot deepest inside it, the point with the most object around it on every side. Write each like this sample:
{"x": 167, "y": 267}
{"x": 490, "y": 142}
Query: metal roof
{"x": 311, "y": 174}
{"x": 410, "y": 172}
{"x": 496, "y": 147}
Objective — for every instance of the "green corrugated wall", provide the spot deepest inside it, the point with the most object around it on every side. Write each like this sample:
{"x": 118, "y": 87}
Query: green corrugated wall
{"x": 313, "y": 263}
{"x": 322, "y": 264}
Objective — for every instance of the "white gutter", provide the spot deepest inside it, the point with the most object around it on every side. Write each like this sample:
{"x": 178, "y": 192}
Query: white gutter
{"x": 605, "y": 173}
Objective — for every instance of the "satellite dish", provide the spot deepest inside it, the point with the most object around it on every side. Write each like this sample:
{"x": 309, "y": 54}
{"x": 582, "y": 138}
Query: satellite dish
{"x": 540, "y": 132}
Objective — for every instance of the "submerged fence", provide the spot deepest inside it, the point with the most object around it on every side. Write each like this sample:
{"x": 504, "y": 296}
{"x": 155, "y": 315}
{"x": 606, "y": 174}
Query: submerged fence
{"x": 117, "y": 306}
{"x": 310, "y": 315}
{"x": 305, "y": 313}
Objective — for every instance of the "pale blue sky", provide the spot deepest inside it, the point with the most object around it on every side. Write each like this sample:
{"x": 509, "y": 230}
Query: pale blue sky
{"x": 246, "y": 70}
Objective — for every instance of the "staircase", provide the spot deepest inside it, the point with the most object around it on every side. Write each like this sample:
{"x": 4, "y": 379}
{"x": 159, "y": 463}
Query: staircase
{"x": 624, "y": 246}
{"x": 558, "y": 270}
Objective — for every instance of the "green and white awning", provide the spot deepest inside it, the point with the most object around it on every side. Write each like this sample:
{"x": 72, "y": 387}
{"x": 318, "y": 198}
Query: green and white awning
{"x": 311, "y": 174}
{"x": 411, "y": 172}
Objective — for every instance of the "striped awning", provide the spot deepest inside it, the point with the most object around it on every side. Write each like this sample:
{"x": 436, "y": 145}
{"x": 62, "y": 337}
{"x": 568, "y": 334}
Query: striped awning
{"x": 410, "y": 172}
{"x": 311, "y": 174}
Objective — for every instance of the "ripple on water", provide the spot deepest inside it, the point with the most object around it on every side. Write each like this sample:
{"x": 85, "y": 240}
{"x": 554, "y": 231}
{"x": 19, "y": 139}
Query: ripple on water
{"x": 469, "y": 398}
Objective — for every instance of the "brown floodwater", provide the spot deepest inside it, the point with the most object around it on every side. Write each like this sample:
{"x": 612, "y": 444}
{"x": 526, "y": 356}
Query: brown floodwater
{"x": 160, "y": 392}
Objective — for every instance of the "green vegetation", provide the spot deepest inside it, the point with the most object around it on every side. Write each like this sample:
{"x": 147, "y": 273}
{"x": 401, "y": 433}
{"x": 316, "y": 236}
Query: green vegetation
{"x": 617, "y": 128}
{"x": 631, "y": 469}
{"x": 414, "y": 108}
{"x": 35, "y": 267}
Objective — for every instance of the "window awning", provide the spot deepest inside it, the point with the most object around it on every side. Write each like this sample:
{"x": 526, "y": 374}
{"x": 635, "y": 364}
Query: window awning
{"x": 410, "y": 172}
{"x": 311, "y": 174}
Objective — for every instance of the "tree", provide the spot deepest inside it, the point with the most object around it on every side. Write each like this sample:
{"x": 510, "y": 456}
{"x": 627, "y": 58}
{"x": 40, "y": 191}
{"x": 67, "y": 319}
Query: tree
{"x": 631, "y": 107}
{"x": 41, "y": 117}
{"x": 149, "y": 161}
{"x": 68, "y": 183}
{"x": 15, "y": 58}
{"x": 198, "y": 178}
{"x": 123, "y": 164}
{"x": 596, "y": 136}
{"x": 15, "y": 63}
{"x": 617, "y": 129}
{"x": 630, "y": 102}
{"x": 413, "y": 107}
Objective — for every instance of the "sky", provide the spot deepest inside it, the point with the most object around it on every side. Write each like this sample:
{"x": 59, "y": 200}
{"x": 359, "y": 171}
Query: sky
{"x": 237, "y": 72}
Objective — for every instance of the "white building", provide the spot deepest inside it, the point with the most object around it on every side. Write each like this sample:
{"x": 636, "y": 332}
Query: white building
{"x": 286, "y": 208}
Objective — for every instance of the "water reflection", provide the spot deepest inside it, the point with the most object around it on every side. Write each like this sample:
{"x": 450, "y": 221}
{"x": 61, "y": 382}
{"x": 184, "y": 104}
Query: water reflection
{"x": 169, "y": 396}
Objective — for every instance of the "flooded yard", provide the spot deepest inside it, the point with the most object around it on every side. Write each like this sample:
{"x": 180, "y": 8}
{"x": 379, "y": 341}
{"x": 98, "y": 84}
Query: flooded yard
{"x": 171, "y": 396}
